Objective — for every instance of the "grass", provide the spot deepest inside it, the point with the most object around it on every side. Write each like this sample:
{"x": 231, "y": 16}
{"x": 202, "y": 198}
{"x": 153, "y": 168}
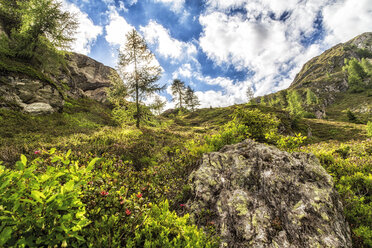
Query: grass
{"x": 169, "y": 150}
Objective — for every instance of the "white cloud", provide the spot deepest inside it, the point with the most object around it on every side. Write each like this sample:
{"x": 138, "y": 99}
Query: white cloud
{"x": 346, "y": 19}
{"x": 166, "y": 46}
{"x": 259, "y": 41}
{"x": 184, "y": 71}
{"x": 175, "y": 5}
{"x": 117, "y": 28}
{"x": 87, "y": 32}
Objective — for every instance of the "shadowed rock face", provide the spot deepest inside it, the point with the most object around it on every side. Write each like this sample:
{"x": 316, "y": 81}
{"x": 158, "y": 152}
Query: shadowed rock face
{"x": 84, "y": 77}
{"x": 87, "y": 77}
{"x": 263, "y": 197}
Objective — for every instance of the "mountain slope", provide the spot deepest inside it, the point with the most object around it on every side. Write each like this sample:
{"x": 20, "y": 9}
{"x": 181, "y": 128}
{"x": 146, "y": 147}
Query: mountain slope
{"x": 324, "y": 76}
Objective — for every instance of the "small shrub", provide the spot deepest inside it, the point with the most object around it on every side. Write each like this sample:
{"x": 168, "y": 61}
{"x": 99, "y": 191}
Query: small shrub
{"x": 288, "y": 143}
{"x": 257, "y": 123}
{"x": 163, "y": 228}
{"x": 369, "y": 129}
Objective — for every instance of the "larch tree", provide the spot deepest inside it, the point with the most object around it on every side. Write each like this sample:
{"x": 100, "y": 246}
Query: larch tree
{"x": 178, "y": 90}
{"x": 158, "y": 105}
{"x": 139, "y": 69}
{"x": 250, "y": 94}
{"x": 38, "y": 30}
{"x": 191, "y": 99}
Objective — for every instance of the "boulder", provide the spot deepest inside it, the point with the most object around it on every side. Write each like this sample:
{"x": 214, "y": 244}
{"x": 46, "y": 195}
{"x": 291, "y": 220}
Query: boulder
{"x": 38, "y": 108}
{"x": 259, "y": 196}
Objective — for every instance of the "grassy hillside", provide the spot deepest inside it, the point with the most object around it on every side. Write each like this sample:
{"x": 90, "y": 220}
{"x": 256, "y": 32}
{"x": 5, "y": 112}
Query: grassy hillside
{"x": 139, "y": 170}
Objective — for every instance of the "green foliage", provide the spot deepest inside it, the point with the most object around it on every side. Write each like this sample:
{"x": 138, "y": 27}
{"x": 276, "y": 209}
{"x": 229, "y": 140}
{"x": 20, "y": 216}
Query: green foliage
{"x": 137, "y": 68}
{"x": 191, "y": 99}
{"x": 163, "y": 228}
{"x": 350, "y": 165}
{"x": 311, "y": 98}
{"x": 57, "y": 200}
{"x": 178, "y": 91}
{"x": 124, "y": 115}
{"x": 351, "y": 116}
{"x": 118, "y": 91}
{"x": 231, "y": 133}
{"x": 294, "y": 103}
{"x": 40, "y": 202}
{"x": 257, "y": 123}
{"x": 288, "y": 143}
{"x": 357, "y": 72}
{"x": 35, "y": 30}
{"x": 369, "y": 129}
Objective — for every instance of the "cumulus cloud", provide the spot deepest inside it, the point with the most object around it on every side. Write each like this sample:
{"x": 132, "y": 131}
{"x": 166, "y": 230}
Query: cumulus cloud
{"x": 86, "y": 33}
{"x": 346, "y": 19}
{"x": 117, "y": 28}
{"x": 166, "y": 46}
{"x": 269, "y": 38}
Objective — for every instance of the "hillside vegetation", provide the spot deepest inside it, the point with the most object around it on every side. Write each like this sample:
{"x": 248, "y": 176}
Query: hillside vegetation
{"x": 86, "y": 176}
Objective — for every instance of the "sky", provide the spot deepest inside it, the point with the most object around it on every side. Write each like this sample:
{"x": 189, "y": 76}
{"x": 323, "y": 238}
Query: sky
{"x": 220, "y": 47}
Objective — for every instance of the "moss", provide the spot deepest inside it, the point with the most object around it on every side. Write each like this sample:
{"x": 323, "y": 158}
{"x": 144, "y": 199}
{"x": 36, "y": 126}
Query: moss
{"x": 324, "y": 216}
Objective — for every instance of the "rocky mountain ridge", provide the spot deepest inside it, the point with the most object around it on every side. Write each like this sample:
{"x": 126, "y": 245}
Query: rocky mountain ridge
{"x": 324, "y": 76}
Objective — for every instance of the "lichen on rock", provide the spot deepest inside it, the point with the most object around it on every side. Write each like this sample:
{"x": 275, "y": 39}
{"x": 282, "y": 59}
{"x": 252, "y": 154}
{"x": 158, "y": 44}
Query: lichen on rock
{"x": 263, "y": 197}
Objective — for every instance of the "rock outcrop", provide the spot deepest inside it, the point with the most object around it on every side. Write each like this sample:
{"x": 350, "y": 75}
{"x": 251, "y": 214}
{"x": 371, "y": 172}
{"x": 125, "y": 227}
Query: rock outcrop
{"x": 87, "y": 77}
{"x": 260, "y": 196}
{"x": 30, "y": 95}
{"x": 82, "y": 77}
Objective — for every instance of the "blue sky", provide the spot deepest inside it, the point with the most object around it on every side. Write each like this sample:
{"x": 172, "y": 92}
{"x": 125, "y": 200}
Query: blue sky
{"x": 221, "y": 47}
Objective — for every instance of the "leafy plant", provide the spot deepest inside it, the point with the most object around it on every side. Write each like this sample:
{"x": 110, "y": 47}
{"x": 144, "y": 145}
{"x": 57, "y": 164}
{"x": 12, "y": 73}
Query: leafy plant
{"x": 369, "y": 129}
{"x": 40, "y": 202}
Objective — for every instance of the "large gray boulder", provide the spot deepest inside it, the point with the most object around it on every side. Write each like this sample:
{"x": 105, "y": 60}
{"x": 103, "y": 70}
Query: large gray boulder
{"x": 259, "y": 196}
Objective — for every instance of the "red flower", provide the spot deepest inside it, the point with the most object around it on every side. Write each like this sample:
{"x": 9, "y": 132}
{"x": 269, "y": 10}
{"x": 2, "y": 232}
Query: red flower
{"x": 104, "y": 193}
{"x": 182, "y": 205}
{"x": 37, "y": 152}
{"x": 139, "y": 195}
{"x": 128, "y": 212}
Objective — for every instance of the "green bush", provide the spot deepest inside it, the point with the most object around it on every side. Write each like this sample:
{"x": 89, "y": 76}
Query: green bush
{"x": 369, "y": 129}
{"x": 350, "y": 165}
{"x": 231, "y": 133}
{"x": 40, "y": 203}
{"x": 165, "y": 229}
{"x": 257, "y": 123}
{"x": 288, "y": 143}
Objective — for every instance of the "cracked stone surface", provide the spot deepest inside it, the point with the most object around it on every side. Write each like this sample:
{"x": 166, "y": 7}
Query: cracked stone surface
{"x": 260, "y": 196}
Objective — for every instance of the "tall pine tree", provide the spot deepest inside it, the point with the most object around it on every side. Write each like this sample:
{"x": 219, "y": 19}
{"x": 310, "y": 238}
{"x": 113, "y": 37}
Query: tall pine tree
{"x": 191, "y": 99}
{"x": 139, "y": 70}
{"x": 178, "y": 90}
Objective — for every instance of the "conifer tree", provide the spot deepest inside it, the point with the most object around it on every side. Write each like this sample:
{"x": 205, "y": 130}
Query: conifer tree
{"x": 36, "y": 29}
{"x": 250, "y": 94}
{"x": 139, "y": 69}
{"x": 191, "y": 99}
{"x": 294, "y": 103}
{"x": 178, "y": 90}
{"x": 311, "y": 98}
{"x": 158, "y": 105}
